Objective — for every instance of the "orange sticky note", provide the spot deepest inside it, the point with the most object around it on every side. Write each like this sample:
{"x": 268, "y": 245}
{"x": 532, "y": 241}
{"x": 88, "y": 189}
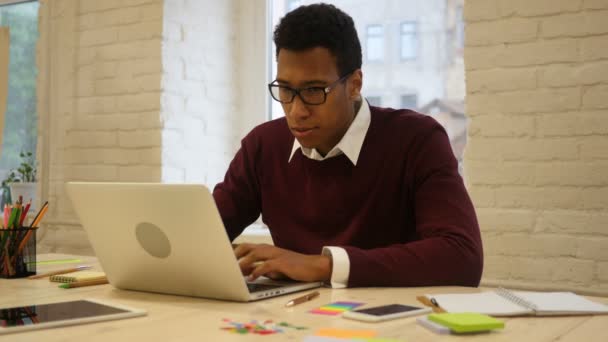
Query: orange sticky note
{"x": 345, "y": 333}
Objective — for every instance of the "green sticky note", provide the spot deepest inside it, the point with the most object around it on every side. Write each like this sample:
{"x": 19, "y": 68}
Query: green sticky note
{"x": 56, "y": 262}
{"x": 467, "y": 322}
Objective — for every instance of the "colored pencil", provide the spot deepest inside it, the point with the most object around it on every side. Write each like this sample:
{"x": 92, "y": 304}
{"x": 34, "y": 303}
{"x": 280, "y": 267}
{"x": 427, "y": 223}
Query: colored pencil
{"x": 24, "y": 213}
{"x": 63, "y": 271}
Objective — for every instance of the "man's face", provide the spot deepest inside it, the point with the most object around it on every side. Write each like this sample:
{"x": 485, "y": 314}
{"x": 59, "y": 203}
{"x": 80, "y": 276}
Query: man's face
{"x": 317, "y": 126}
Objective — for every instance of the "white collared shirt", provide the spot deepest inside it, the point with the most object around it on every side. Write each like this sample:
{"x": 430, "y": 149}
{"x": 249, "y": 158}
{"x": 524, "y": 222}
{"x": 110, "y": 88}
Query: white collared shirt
{"x": 350, "y": 145}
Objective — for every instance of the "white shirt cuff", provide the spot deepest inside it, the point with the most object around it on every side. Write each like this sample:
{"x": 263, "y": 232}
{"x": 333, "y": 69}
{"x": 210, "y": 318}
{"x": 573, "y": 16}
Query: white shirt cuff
{"x": 340, "y": 266}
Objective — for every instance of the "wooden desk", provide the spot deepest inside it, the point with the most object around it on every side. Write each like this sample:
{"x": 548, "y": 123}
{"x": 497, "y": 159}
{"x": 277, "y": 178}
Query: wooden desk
{"x": 176, "y": 318}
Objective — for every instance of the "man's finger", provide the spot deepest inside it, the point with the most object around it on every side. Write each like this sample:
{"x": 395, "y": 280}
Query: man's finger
{"x": 275, "y": 275}
{"x": 243, "y": 249}
{"x": 262, "y": 268}
{"x": 247, "y": 263}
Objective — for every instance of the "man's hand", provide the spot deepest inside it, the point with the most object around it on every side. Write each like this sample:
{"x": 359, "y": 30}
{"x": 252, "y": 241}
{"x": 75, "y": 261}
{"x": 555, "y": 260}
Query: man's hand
{"x": 265, "y": 260}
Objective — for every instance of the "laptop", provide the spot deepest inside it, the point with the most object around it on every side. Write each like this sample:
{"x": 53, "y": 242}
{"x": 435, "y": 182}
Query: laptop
{"x": 166, "y": 238}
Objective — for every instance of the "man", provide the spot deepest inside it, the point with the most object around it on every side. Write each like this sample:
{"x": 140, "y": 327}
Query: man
{"x": 353, "y": 195}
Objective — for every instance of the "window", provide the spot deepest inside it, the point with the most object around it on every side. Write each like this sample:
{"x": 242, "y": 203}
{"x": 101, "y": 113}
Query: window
{"x": 409, "y": 101}
{"x": 409, "y": 40}
{"x": 459, "y": 36}
{"x": 375, "y": 43}
{"x": 290, "y": 5}
{"x": 374, "y": 101}
{"x": 20, "y": 124}
{"x": 406, "y": 63}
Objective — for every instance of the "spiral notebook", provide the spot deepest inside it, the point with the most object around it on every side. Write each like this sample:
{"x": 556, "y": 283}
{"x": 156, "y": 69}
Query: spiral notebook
{"x": 503, "y": 302}
{"x": 78, "y": 276}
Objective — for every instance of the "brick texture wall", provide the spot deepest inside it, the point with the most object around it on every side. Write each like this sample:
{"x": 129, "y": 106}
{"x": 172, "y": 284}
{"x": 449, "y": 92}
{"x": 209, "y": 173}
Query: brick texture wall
{"x": 200, "y": 86}
{"x": 132, "y": 90}
{"x": 118, "y": 95}
{"x": 99, "y": 92}
{"x": 536, "y": 162}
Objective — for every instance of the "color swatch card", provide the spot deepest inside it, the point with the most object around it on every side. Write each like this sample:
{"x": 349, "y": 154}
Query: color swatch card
{"x": 335, "y": 308}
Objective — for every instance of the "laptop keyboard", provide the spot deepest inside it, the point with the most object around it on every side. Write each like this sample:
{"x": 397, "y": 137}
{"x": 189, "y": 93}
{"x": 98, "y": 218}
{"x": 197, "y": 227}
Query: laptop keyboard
{"x": 253, "y": 287}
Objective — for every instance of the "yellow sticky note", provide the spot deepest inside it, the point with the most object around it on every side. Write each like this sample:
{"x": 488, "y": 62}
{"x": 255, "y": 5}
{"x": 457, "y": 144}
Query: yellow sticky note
{"x": 345, "y": 333}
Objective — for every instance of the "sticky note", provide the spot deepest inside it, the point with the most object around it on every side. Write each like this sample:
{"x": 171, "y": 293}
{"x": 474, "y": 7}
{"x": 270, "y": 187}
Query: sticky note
{"x": 56, "y": 262}
{"x": 313, "y": 338}
{"x": 467, "y": 322}
{"x": 345, "y": 333}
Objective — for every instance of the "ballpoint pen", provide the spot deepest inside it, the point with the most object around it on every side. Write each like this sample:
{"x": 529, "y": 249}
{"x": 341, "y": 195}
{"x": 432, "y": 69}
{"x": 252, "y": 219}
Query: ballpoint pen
{"x": 302, "y": 299}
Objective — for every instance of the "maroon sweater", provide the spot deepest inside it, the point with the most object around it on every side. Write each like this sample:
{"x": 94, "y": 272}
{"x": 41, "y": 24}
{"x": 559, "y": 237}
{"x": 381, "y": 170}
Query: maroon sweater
{"x": 402, "y": 213}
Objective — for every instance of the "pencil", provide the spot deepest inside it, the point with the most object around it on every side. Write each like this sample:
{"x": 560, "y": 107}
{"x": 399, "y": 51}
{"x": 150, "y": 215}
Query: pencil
{"x": 33, "y": 226}
{"x": 6, "y": 216}
{"x": 82, "y": 283}
{"x": 40, "y": 215}
{"x": 24, "y": 213}
{"x": 63, "y": 271}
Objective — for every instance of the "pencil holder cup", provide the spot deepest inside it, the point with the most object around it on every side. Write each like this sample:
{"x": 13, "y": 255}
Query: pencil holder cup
{"x": 18, "y": 252}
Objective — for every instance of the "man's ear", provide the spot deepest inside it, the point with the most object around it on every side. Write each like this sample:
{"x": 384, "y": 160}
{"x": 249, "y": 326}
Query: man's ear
{"x": 355, "y": 84}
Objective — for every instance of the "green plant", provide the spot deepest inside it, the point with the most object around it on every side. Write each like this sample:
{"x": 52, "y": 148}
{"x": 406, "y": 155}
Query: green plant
{"x": 26, "y": 172}
{"x": 11, "y": 178}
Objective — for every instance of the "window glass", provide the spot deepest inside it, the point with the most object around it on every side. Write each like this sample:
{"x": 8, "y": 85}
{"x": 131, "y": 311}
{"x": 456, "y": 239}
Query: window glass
{"x": 292, "y": 4}
{"x": 412, "y": 57}
{"x": 20, "y": 125}
{"x": 409, "y": 101}
{"x": 375, "y": 43}
{"x": 409, "y": 40}
{"x": 374, "y": 101}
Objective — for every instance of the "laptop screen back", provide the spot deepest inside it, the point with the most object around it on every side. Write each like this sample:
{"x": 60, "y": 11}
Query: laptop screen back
{"x": 166, "y": 238}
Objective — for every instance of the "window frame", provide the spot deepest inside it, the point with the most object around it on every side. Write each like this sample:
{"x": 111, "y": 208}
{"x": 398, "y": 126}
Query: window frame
{"x": 14, "y": 2}
{"x": 256, "y": 52}
{"x": 459, "y": 34}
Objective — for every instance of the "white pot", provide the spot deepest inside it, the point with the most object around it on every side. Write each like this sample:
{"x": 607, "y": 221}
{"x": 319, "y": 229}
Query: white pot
{"x": 27, "y": 190}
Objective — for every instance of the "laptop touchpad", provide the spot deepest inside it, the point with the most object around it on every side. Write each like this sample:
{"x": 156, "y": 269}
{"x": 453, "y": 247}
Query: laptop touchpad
{"x": 153, "y": 240}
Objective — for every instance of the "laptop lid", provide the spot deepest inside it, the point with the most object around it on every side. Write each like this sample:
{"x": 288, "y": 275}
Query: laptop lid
{"x": 165, "y": 238}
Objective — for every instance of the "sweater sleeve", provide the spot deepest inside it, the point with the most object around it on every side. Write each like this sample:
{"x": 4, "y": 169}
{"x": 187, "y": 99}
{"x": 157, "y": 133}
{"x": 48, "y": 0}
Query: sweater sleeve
{"x": 238, "y": 196}
{"x": 448, "y": 250}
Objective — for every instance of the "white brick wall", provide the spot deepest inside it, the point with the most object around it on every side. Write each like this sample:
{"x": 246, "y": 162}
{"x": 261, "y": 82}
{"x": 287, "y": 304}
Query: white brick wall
{"x": 198, "y": 105}
{"x": 537, "y": 155}
{"x": 133, "y": 90}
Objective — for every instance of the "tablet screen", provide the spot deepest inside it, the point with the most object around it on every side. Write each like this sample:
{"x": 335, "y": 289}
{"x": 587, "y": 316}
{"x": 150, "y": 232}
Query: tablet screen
{"x": 46, "y": 313}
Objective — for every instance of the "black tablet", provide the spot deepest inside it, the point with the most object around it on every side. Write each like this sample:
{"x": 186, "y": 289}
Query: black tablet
{"x": 50, "y": 315}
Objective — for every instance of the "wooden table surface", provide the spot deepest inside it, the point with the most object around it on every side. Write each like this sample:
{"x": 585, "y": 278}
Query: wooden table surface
{"x": 178, "y": 318}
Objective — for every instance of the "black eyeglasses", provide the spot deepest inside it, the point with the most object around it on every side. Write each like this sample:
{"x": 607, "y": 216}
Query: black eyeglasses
{"x": 310, "y": 95}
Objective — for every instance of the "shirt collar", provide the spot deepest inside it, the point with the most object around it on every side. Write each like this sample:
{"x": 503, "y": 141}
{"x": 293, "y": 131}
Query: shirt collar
{"x": 350, "y": 144}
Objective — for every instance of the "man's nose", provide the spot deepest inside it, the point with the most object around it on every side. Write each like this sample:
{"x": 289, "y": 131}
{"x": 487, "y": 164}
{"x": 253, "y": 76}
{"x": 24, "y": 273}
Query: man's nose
{"x": 298, "y": 109}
